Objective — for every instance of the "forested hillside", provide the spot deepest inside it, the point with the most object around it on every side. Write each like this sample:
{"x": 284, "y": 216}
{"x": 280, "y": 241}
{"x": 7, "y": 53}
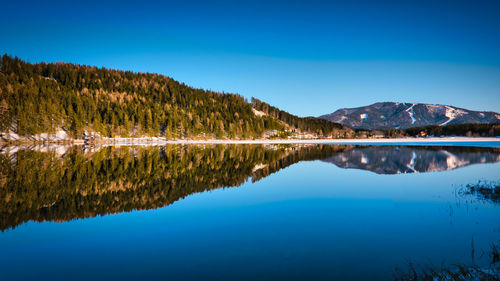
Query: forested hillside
{"x": 37, "y": 98}
{"x": 308, "y": 124}
{"x": 44, "y": 97}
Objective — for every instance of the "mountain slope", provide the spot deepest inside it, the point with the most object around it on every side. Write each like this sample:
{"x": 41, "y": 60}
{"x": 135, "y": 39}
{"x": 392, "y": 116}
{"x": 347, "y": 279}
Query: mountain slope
{"x": 44, "y": 98}
{"x": 312, "y": 124}
{"x": 385, "y": 115}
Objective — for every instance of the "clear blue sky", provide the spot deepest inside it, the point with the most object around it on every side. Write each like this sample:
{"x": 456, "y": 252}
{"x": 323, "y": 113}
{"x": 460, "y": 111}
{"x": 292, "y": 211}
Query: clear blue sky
{"x": 306, "y": 57}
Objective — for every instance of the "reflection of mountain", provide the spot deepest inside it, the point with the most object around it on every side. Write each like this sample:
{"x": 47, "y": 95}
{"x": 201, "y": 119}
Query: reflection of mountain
{"x": 396, "y": 160}
{"x": 66, "y": 184}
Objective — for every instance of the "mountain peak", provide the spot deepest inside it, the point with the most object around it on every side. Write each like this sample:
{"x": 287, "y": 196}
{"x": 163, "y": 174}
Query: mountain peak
{"x": 387, "y": 115}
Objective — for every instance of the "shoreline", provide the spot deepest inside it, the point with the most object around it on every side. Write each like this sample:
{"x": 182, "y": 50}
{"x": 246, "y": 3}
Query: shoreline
{"x": 60, "y": 148}
{"x": 344, "y": 141}
{"x": 162, "y": 141}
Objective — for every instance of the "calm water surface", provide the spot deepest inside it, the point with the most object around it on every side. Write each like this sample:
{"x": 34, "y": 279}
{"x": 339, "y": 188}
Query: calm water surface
{"x": 243, "y": 212}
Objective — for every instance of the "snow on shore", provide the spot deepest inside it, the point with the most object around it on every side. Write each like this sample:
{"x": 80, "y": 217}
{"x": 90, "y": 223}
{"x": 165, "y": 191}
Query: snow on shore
{"x": 163, "y": 141}
{"x": 343, "y": 141}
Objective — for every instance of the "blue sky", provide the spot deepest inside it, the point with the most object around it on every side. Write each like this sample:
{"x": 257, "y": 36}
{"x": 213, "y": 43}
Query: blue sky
{"x": 306, "y": 57}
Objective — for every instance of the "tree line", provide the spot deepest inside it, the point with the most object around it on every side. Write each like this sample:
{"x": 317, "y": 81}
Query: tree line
{"x": 305, "y": 124}
{"x": 467, "y": 130}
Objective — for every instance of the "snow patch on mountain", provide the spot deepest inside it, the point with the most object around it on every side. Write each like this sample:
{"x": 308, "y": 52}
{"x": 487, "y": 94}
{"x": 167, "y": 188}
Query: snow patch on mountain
{"x": 452, "y": 113}
{"x": 433, "y": 108}
{"x": 410, "y": 112}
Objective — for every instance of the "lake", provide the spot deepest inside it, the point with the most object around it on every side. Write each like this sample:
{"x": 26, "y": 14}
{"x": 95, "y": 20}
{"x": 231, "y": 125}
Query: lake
{"x": 245, "y": 212}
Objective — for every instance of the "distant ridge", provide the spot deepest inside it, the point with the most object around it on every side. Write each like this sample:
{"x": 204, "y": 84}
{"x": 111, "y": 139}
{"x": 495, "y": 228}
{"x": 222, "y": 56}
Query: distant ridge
{"x": 387, "y": 115}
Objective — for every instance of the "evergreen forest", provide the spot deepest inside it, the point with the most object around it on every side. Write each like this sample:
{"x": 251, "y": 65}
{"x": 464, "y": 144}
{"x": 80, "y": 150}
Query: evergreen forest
{"x": 44, "y": 97}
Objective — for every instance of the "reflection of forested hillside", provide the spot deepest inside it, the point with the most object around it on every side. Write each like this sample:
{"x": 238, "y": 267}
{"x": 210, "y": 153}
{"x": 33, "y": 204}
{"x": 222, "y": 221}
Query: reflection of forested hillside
{"x": 42, "y": 186}
{"x": 300, "y": 153}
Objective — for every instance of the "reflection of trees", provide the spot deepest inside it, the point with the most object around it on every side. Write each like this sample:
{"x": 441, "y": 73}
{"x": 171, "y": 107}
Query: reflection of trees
{"x": 300, "y": 153}
{"x": 41, "y": 186}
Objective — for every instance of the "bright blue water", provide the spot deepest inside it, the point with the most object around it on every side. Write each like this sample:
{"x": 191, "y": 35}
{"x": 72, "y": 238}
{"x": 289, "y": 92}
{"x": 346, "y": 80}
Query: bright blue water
{"x": 312, "y": 220}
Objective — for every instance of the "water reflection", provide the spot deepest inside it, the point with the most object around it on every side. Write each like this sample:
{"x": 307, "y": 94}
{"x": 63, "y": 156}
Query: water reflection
{"x": 312, "y": 220}
{"x": 64, "y": 183}
{"x": 397, "y": 160}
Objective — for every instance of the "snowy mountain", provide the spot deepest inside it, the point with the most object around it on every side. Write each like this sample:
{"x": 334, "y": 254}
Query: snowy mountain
{"x": 384, "y": 115}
